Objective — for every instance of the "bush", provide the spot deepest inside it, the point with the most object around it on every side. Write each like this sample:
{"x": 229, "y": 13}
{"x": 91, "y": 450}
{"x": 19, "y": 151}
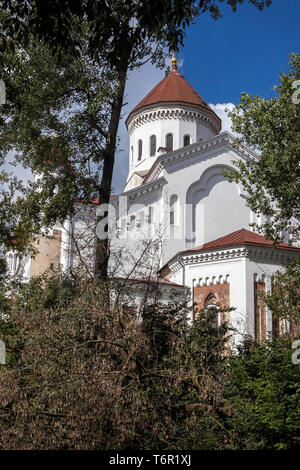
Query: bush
{"x": 88, "y": 375}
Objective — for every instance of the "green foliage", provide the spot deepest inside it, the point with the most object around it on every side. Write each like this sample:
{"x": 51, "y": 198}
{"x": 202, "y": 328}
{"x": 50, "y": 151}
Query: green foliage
{"x": 55, "y": 120}
{"x": 265, "y": 396}
{"x": 272, "y": 181}
{"x": 60, "y": 120}
{"x": 284, "y": 300}
{"x": 272, "y": 127}
{"x": 112, "y": 22}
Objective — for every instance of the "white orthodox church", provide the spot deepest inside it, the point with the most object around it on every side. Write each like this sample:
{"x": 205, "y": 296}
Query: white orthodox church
{"x": 178, "y": 196}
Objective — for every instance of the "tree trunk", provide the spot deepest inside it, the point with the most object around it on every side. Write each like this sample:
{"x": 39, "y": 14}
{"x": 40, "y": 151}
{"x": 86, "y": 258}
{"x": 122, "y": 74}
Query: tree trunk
{"x": 102, "y": 245}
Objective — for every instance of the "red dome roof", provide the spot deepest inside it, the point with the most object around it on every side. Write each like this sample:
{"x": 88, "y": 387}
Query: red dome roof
{"x": 174, "y": 88}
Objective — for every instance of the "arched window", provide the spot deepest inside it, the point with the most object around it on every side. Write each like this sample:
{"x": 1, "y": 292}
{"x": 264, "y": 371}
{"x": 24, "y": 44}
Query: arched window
{"x": 152, "y": 145}
{"x": 174, "y": 210}
{"x": 186, "y": 140}
{"x": 260, "y": 320}
{"x": 212, "y": 305}
{"x": 169, "y": 142}
{"x": 210, "y": 300}
{"x": 140, "y": 149}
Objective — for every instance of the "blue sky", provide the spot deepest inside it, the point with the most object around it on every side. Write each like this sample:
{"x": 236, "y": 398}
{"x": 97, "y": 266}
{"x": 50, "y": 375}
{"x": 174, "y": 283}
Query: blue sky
{"x": 243, "y": 51}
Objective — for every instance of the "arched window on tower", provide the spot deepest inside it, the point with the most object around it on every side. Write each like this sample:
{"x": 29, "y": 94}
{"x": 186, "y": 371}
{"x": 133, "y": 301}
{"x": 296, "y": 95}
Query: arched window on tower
{"x": 152, "y": 145}
{"x": 186, "y": 140}
{"x": 140, "y": 149}
{"x": 169, "y": 142}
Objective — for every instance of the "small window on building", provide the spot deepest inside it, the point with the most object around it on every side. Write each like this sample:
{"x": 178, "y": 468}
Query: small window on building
{"x": 169, "y": 142}
{"x": 131, "y": 154}
{"x": 212, "y": 305}
{"x": 210, "y": 300}
{"x": 259, "y": 311}
{"x": 140, "y": 149}
{"x": 152, "y": 145}
{"x": 174, "y": 210}
{"x": 132, "y": 222}
{"x": 149, "y": 215}
{"x": 186, "y": 140}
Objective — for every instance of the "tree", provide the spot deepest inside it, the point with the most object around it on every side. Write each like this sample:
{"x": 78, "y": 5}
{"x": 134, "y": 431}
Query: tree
{"x": 121, "y": 33}
{"x": 86, "y": 374}
{"x": 55, "y": 119}
{"x": 111, "y": 22}
{"x": 272, "y": 127}
{"x": 14, "y": 230}
{"x": 284, "y": 299}
{"x": 272, "y": 181}
{"x": 264, "y": 396}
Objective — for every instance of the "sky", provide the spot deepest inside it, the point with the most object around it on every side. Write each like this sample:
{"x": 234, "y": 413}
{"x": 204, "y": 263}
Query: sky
{"x": 243, "y": 51}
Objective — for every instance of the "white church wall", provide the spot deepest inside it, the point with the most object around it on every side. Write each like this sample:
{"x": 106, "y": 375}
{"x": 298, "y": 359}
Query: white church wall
{"x": 209, "y": 205}
{"x": 259, "y": 268}
{"x": 240, "y": 273}
{"x": 144, "y": 133}
{"x": 227, "y": 271}
{"x": 176, "y": 120}
{"x": 137, "y": 244}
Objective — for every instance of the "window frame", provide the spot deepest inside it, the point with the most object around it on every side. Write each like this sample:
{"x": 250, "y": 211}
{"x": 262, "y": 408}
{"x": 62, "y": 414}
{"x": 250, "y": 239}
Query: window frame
{"x": 152, "y": 149}
{"x": 140, "y": 150}
{"x": 170, "y": 134}
{"x": 184, "y": 137}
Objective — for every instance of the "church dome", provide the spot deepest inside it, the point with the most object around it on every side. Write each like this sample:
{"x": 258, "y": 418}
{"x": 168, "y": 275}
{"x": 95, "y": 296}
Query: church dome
{"x": 171, "y": 116}
{"x": 174, "y": 88}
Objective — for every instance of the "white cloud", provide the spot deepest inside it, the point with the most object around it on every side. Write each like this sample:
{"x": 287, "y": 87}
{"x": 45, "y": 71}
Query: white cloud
{"x": 219, "y": 109}
{"x": 180, "y": 63}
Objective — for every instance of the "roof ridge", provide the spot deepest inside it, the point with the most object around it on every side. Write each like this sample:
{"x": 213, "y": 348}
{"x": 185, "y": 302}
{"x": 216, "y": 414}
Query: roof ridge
{"x": 240, "y": 236}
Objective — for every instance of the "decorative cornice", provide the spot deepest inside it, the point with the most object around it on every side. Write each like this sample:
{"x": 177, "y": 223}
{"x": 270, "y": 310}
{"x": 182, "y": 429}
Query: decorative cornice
{"x": 250, "y": 252}
{"x": 225, "y": 138}
{"x": 185, "y": 153}
{"x": 185, "y": 113}
{"x": 144, "y": 188}
{"x": 155, "y": 173}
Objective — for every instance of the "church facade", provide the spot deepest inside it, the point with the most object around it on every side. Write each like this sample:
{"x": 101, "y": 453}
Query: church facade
{"x": 179, "y": 220}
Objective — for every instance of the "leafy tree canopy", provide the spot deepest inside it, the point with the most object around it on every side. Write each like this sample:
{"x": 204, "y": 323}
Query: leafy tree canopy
{"x": 272, "y": 127}
{"x": 115, "y": 22}
{"x": 264, "y": 396}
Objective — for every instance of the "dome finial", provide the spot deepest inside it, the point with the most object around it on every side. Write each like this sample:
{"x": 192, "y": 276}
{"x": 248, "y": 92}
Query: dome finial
{"x": 174, "y": 63}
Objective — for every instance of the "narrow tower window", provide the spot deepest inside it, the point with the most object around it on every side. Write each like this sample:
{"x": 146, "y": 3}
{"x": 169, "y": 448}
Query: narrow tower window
{"x": 174, "y": 210}
{"x": 186, "y": 140}
{"x": 169, "y": 142}
{"x": 140, "y": 149}
{"x": 152, "y": 145}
